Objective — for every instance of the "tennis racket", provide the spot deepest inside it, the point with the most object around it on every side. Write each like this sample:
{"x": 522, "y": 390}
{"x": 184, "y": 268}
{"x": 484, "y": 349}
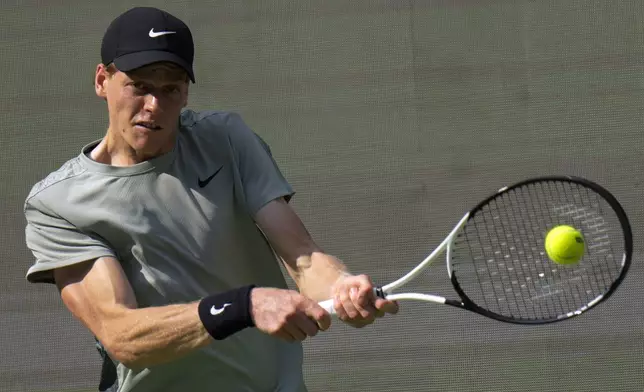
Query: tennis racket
{"x": 496, "y": 258}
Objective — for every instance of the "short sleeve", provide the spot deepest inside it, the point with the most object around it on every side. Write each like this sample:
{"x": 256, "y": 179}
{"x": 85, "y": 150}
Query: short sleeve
{"x": 56, "y": 243}
{"x": 261, "y": 177}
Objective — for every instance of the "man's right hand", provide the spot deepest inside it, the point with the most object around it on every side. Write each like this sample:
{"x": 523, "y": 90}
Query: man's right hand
{"x": 287, "y": 314}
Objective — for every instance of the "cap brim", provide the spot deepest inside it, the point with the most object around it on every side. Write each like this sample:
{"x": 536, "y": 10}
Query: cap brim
{"x": 132, "y": 61}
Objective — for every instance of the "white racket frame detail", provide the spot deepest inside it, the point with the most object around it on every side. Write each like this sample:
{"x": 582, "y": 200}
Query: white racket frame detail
{"x": 389, "y": 289}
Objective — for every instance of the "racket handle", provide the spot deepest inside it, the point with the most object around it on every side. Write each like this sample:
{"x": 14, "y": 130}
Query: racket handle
{"x": 328, "y": 304}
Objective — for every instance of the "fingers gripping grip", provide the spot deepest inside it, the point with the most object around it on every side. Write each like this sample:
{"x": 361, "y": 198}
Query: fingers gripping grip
{"x": 329, "y": 304}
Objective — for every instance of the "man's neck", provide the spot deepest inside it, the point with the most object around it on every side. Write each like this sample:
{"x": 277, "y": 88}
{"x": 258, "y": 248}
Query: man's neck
{"x": 116, "y": 152}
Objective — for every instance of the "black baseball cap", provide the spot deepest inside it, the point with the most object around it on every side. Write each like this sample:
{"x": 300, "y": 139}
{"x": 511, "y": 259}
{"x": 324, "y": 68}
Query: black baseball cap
{"x": 146, "y": 35}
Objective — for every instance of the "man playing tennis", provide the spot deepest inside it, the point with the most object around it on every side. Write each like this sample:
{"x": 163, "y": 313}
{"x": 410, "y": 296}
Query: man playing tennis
{"x": 161, "y": 236}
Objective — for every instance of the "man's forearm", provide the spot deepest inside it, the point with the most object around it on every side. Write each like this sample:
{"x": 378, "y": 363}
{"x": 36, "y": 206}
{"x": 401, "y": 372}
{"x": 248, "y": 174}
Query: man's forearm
{"x": 149, "y": 336}
{"x": 313, "y": 271}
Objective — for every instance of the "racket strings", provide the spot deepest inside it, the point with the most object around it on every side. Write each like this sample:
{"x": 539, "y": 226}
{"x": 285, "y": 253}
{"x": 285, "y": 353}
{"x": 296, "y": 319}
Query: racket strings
{"x": 527, "y": 247}
{"x": 599, "y": 247}
{"x": 510, "y": 271}
{"x": 563, "y": 302}
{"x": 500, "y": 262}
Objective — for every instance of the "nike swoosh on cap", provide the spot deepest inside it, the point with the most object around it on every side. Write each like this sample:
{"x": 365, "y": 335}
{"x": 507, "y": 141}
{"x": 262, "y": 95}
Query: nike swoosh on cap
{"x": 154, "y": 34}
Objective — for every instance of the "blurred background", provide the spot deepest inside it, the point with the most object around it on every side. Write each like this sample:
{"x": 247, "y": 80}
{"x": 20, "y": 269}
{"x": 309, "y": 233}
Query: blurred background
{"x": 391, "y": 119}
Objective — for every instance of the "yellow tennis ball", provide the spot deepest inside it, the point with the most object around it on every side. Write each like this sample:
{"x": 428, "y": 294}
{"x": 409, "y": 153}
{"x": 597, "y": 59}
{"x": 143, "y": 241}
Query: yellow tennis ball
{"x": 565, "y": 244}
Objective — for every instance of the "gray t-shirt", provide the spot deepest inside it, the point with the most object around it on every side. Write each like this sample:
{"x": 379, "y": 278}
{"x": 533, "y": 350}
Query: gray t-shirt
{"x": 182, "y": 227}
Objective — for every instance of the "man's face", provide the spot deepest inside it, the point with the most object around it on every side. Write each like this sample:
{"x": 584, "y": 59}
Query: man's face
{"x": 144, "y": 105}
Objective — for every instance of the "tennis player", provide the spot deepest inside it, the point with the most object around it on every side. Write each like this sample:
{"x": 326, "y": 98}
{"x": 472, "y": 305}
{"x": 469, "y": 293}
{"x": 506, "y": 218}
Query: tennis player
{"x": 162, "y": 236}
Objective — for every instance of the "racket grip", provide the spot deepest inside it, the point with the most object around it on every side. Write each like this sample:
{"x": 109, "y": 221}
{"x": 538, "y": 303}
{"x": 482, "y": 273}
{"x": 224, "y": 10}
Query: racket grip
{"x": 328, "y": 305}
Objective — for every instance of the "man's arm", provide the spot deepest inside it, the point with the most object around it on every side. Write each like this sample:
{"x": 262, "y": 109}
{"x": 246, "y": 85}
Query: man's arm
{"x": 100, "y": 296}
{"x": 318, "y": 275}
{"x": 313, "y": 271}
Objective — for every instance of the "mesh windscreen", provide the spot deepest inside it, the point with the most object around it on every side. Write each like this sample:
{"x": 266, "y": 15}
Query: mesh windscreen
{"x": 391, "y": 119}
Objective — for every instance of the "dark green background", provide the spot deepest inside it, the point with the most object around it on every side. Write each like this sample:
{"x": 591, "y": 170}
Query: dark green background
{"x": 390, "y": 118}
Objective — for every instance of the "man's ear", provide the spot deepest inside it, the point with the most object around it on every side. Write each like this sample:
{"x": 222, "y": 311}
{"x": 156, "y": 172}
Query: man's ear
{"x": 101, "y": 79}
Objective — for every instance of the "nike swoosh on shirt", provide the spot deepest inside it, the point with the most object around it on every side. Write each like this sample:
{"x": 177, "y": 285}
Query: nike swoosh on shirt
{"x": 203, "y": 183}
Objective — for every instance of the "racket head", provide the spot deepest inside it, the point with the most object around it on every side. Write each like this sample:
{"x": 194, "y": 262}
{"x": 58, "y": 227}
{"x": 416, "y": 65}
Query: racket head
{"x": 498, "y": 264}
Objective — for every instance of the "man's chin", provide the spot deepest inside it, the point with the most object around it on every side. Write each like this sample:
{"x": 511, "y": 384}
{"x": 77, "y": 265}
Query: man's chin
{"x": 152, "y": 143}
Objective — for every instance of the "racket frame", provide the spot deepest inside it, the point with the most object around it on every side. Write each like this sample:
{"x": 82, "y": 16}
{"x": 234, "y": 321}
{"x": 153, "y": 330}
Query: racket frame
{"x": 388, "y": 291}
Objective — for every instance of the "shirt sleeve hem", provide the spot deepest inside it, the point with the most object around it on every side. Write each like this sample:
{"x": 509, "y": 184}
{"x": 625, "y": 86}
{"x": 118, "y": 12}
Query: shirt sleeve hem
{"x": 43, "y": 272}
{"x": 287, "y": 194}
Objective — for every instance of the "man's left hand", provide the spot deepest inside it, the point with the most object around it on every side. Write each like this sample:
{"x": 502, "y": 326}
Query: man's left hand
{"x": 356, "y": 303}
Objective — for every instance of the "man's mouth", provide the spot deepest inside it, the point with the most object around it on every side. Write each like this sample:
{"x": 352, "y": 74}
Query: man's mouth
{"x": 148, "y": 125}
